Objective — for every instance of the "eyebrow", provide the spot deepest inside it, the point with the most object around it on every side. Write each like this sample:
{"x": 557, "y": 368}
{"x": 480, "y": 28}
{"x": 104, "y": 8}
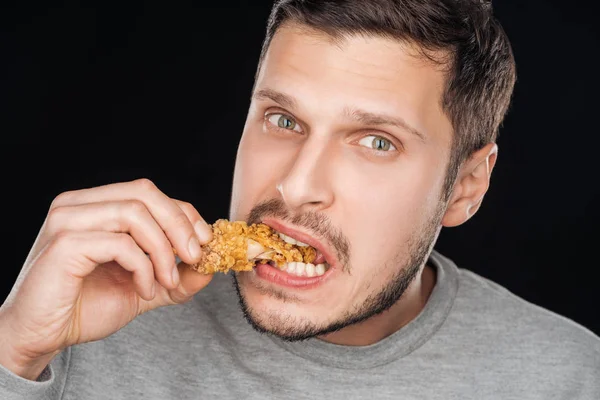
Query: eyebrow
{"x": 361, "y": 116}
{"x": 280, "y": 98}
{"x": 374, "y": 119}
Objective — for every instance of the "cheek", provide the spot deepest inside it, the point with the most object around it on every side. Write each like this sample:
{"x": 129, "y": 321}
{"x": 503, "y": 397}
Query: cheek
{"x": 383, "y": 210}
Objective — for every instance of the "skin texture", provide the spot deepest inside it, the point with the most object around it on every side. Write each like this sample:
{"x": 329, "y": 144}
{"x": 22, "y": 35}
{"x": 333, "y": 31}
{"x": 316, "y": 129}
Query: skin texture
{"x": 377, "y": 204}
{"x": 102, "y": 257}
{"x": 310, "y": 159}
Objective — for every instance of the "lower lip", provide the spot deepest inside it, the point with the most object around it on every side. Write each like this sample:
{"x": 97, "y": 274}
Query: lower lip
{"x": 282, "y": 278}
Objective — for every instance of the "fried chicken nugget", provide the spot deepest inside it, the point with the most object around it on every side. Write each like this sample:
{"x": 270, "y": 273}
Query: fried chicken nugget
{"x": 238, "y": 246}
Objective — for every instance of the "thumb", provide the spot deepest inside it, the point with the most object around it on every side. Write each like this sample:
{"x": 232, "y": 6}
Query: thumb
{"x": 190, "y": 283}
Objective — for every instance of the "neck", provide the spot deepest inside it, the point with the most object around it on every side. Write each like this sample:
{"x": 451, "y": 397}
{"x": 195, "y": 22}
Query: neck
{"x": 386, "y": 323}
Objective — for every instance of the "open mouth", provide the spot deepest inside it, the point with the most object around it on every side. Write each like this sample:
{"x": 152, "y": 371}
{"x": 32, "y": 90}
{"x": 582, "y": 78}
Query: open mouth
{"x": 268, "y": 248}
{"x": 317, "y": 266}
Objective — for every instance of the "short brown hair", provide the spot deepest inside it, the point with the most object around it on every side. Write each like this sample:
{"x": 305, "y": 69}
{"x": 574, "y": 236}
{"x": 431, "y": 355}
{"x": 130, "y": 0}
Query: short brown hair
{"x": 480, "y": 68}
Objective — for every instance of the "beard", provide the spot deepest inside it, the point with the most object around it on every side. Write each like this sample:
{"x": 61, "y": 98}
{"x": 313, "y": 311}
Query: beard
{"x": 408, "y": 263}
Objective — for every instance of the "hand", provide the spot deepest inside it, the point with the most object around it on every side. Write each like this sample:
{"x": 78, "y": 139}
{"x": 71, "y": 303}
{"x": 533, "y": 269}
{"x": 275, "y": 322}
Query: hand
{"x": 102, "y": 257}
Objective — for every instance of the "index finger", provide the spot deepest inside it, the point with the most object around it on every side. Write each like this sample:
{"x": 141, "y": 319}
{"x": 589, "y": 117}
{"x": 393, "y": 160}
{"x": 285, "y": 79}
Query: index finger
{"x": 202, "y": 228}
{"x": 180, "y": 231}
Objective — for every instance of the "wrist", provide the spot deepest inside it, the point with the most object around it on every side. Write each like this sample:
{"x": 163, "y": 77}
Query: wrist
{"x": 17, "y": 361}
{"x": 24, "y": 367}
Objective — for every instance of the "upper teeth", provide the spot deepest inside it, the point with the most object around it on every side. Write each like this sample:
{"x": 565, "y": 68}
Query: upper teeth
{"x": 288, "y": 239}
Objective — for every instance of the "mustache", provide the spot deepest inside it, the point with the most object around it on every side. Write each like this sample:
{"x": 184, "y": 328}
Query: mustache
{"x": 317, "y": 223}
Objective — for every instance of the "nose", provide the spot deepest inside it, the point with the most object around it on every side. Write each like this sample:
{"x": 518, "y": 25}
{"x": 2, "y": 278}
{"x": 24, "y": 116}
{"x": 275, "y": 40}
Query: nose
{"x": 307, "y": 186}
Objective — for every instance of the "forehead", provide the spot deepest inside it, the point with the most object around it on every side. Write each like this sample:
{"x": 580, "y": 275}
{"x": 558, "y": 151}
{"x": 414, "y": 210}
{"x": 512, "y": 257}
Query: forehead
{"x": 376, "y": 73}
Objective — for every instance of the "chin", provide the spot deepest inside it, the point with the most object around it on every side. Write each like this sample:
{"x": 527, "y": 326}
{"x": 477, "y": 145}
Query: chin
{"x": 294, "y": 315}
{"x": 278, "y": 312}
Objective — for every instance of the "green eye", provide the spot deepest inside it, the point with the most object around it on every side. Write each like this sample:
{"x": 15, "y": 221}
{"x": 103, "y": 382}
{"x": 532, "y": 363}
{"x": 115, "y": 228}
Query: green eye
{"x": 284, "y": 122}
{"x": 377, "y": 143}
{"x": 381, "y": 144}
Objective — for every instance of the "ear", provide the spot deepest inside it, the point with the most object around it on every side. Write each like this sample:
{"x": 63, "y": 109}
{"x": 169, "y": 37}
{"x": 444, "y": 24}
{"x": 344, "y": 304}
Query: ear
{"x": 472, "y": 183}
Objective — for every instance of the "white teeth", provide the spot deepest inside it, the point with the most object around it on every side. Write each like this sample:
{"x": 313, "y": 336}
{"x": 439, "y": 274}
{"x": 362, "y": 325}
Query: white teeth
{"x": 291, "y": 268}
{"x": 290, "y": 240}
{"x": 287, "y": 239}
{"x": 320, "y": 269}
{"x": 302, "y": 269}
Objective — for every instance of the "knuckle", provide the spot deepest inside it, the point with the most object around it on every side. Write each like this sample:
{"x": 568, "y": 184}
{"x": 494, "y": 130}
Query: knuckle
{"x": 55, "y": 219}
{"x": 63, "y": 239}
{"x": 166, "y": 249}
{"x": 125, "y": 241}
{"x": 162, "y": 254}
{"x": 180, "y": 220}
{"x": 145, "y": 184}
{"x": 145, "y": 264}
{"x": 135, "y": 208}
{"x": 165, "y": 259}
{"x": 178, "y": 296}
{"x": 186, "y": 206}
{"x": 162, "y": 259}
{"x": 61, "y": 199}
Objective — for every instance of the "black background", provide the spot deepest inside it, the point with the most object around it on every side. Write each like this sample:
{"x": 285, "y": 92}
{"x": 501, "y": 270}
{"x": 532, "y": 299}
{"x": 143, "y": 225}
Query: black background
{"x": 94, "y": 93}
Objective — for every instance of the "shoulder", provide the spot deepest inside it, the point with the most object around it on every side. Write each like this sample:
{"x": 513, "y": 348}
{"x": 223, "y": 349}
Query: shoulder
{"x": 497, "y": 300}
{"x": 495, "y": 332}
{"x": 552, "y": 339}
{"x": 491, "y": 315}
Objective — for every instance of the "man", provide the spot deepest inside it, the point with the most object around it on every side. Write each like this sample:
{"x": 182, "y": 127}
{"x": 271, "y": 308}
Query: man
{"x": 372, "y": 126}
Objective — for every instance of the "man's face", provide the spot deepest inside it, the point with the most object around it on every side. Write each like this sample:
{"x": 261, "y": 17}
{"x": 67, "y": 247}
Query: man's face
{"x": 345, "y": 142}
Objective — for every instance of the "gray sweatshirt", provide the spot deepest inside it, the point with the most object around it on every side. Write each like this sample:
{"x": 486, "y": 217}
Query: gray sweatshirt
{"x": 473, "y": 340}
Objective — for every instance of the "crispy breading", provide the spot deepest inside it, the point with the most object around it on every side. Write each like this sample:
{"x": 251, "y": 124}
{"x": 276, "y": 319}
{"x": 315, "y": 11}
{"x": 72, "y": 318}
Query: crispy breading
{"x": 229, "y": 247}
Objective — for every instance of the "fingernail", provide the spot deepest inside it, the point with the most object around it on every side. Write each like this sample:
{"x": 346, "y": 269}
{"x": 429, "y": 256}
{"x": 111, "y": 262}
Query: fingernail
{"x": 203, "y": 231}
{"x": 175, "y": 276}
{"x": 194, "y": 248}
